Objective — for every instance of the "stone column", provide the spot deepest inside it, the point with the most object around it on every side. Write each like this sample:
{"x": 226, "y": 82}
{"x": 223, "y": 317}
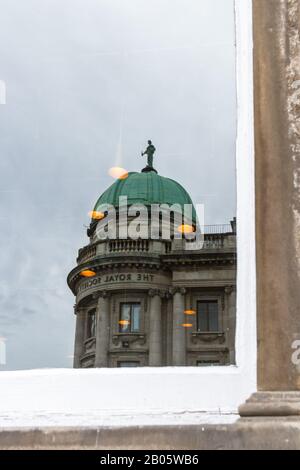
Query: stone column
{"x": 155, "y": 329}
{"x": 179, "y": 333}
{"x": 79, "y": 336}
{"x": 277, "y": 162}
{"x": 230, "y": 292}
{"x": 103, "y": 330}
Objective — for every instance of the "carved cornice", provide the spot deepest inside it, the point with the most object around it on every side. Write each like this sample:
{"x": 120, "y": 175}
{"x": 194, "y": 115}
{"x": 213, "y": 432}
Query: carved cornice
{"x": 150, "y": 261}
{"x": 227, "y": 258}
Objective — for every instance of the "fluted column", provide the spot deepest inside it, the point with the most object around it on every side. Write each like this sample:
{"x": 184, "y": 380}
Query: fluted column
{"x": 79, "y": 337}
{"x": 102, "y": 330}
{"x": 155, "y": 335}
{"x": 179, "y": 334}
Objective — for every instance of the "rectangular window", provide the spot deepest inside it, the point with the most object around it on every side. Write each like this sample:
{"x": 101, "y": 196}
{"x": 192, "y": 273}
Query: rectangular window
{"x": 207, "y": 316}
{"x": 129, "y": 317}
{"x": 91, "y": 324}
{"x": 128, "y": 364}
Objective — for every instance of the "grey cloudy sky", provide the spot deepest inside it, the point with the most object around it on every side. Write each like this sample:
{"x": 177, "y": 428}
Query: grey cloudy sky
{"x": 87, "y": 83}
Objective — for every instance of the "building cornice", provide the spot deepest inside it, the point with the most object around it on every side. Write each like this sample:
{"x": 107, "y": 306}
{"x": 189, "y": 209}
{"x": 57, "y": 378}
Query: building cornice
{"x": 147, "y": 261}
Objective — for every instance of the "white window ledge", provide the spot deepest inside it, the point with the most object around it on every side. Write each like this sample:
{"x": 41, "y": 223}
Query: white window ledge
{"x": 117, "y": 396}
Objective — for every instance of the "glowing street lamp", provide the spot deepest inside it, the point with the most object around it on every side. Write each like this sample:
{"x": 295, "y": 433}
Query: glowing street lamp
{"x": 96, "y": 215}
{"x": 190, "y": 312}
{"x": 185, "y": 228}
{"x": 87, "y": 273}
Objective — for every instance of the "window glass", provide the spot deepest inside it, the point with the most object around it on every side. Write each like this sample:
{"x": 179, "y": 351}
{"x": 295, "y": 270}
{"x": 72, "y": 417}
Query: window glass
{"x": 135, "y": 317}
{"x": 207, "y": 363}
{"x": 208, "y": 316}
{"x": 129, "y": 318}
{"x": 213, "y": 322}
{"x": 128, "y": 364}
{"x": 115, "y": 99}
{"x": 125, "y": 319}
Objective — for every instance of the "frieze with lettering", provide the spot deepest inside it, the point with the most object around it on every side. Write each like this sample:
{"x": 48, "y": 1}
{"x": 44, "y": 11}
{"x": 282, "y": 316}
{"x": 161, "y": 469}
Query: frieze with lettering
{"x": 116, "y": 278}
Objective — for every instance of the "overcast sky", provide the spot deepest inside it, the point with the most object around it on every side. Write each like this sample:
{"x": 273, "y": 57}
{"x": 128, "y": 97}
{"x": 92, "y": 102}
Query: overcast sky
{"x": 88, "y": 82}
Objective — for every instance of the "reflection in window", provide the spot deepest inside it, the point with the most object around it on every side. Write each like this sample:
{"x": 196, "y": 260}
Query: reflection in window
{"x": 208, "y": 362}
{"x": 129, "y": 317}
{"x": 207, "y": 316}
{"x": 91, "y": 324}
{"x": 128, "y": 364}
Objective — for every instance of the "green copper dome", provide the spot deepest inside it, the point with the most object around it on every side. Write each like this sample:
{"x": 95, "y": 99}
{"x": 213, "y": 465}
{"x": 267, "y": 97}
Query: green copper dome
{"x": 146, "y": 188}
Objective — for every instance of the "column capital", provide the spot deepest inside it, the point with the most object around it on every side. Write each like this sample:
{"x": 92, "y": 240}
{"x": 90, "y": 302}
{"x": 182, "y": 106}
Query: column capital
{"x": 177, "y": 290}
{"x": 159, "y": 292}
{"x": 78, "y": 310}
{"x": 229, "y": 289}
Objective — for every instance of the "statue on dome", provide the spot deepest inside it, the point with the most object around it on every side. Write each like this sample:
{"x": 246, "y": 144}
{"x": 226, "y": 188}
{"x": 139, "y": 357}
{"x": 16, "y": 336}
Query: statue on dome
{"x": 149, "y": 152}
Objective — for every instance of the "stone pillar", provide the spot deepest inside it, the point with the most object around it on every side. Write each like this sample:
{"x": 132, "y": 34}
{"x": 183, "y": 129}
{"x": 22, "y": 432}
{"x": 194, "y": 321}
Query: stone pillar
{"x": 79, "y": 336}
{"x": 179, "y": 333}
{"x": 277, "y": 162}
{"x": 155, "y": 329}
{"x": 103, "y": 330}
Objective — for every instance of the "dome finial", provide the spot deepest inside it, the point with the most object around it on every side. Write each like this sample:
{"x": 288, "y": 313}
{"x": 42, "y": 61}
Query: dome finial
{"x": 150, "y": 150}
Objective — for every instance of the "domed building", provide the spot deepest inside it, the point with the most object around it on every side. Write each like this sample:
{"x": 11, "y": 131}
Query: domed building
{"x": 145, "y": 188}
{"x": 153, "y": 299}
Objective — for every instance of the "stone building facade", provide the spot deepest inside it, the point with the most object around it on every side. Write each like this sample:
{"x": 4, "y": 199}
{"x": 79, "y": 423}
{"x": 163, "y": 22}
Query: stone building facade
{"x": 154, "y": 302}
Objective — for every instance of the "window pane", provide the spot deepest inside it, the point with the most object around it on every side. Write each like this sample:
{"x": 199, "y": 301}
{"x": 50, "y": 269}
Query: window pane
{"x": 208, "y": 316}
{"x": 135, "y": 60}
{"x": 207, "y": 363}
{"x": 202, "y": 316}
{"x": 135, "y": 317}
{"x": 213, "y": 316}
{"x": 128, "y": 364}
{"x": 124, "y": 324}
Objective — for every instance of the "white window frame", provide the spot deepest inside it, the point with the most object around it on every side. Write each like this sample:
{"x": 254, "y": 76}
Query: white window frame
{"x": 137, "y": 391}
